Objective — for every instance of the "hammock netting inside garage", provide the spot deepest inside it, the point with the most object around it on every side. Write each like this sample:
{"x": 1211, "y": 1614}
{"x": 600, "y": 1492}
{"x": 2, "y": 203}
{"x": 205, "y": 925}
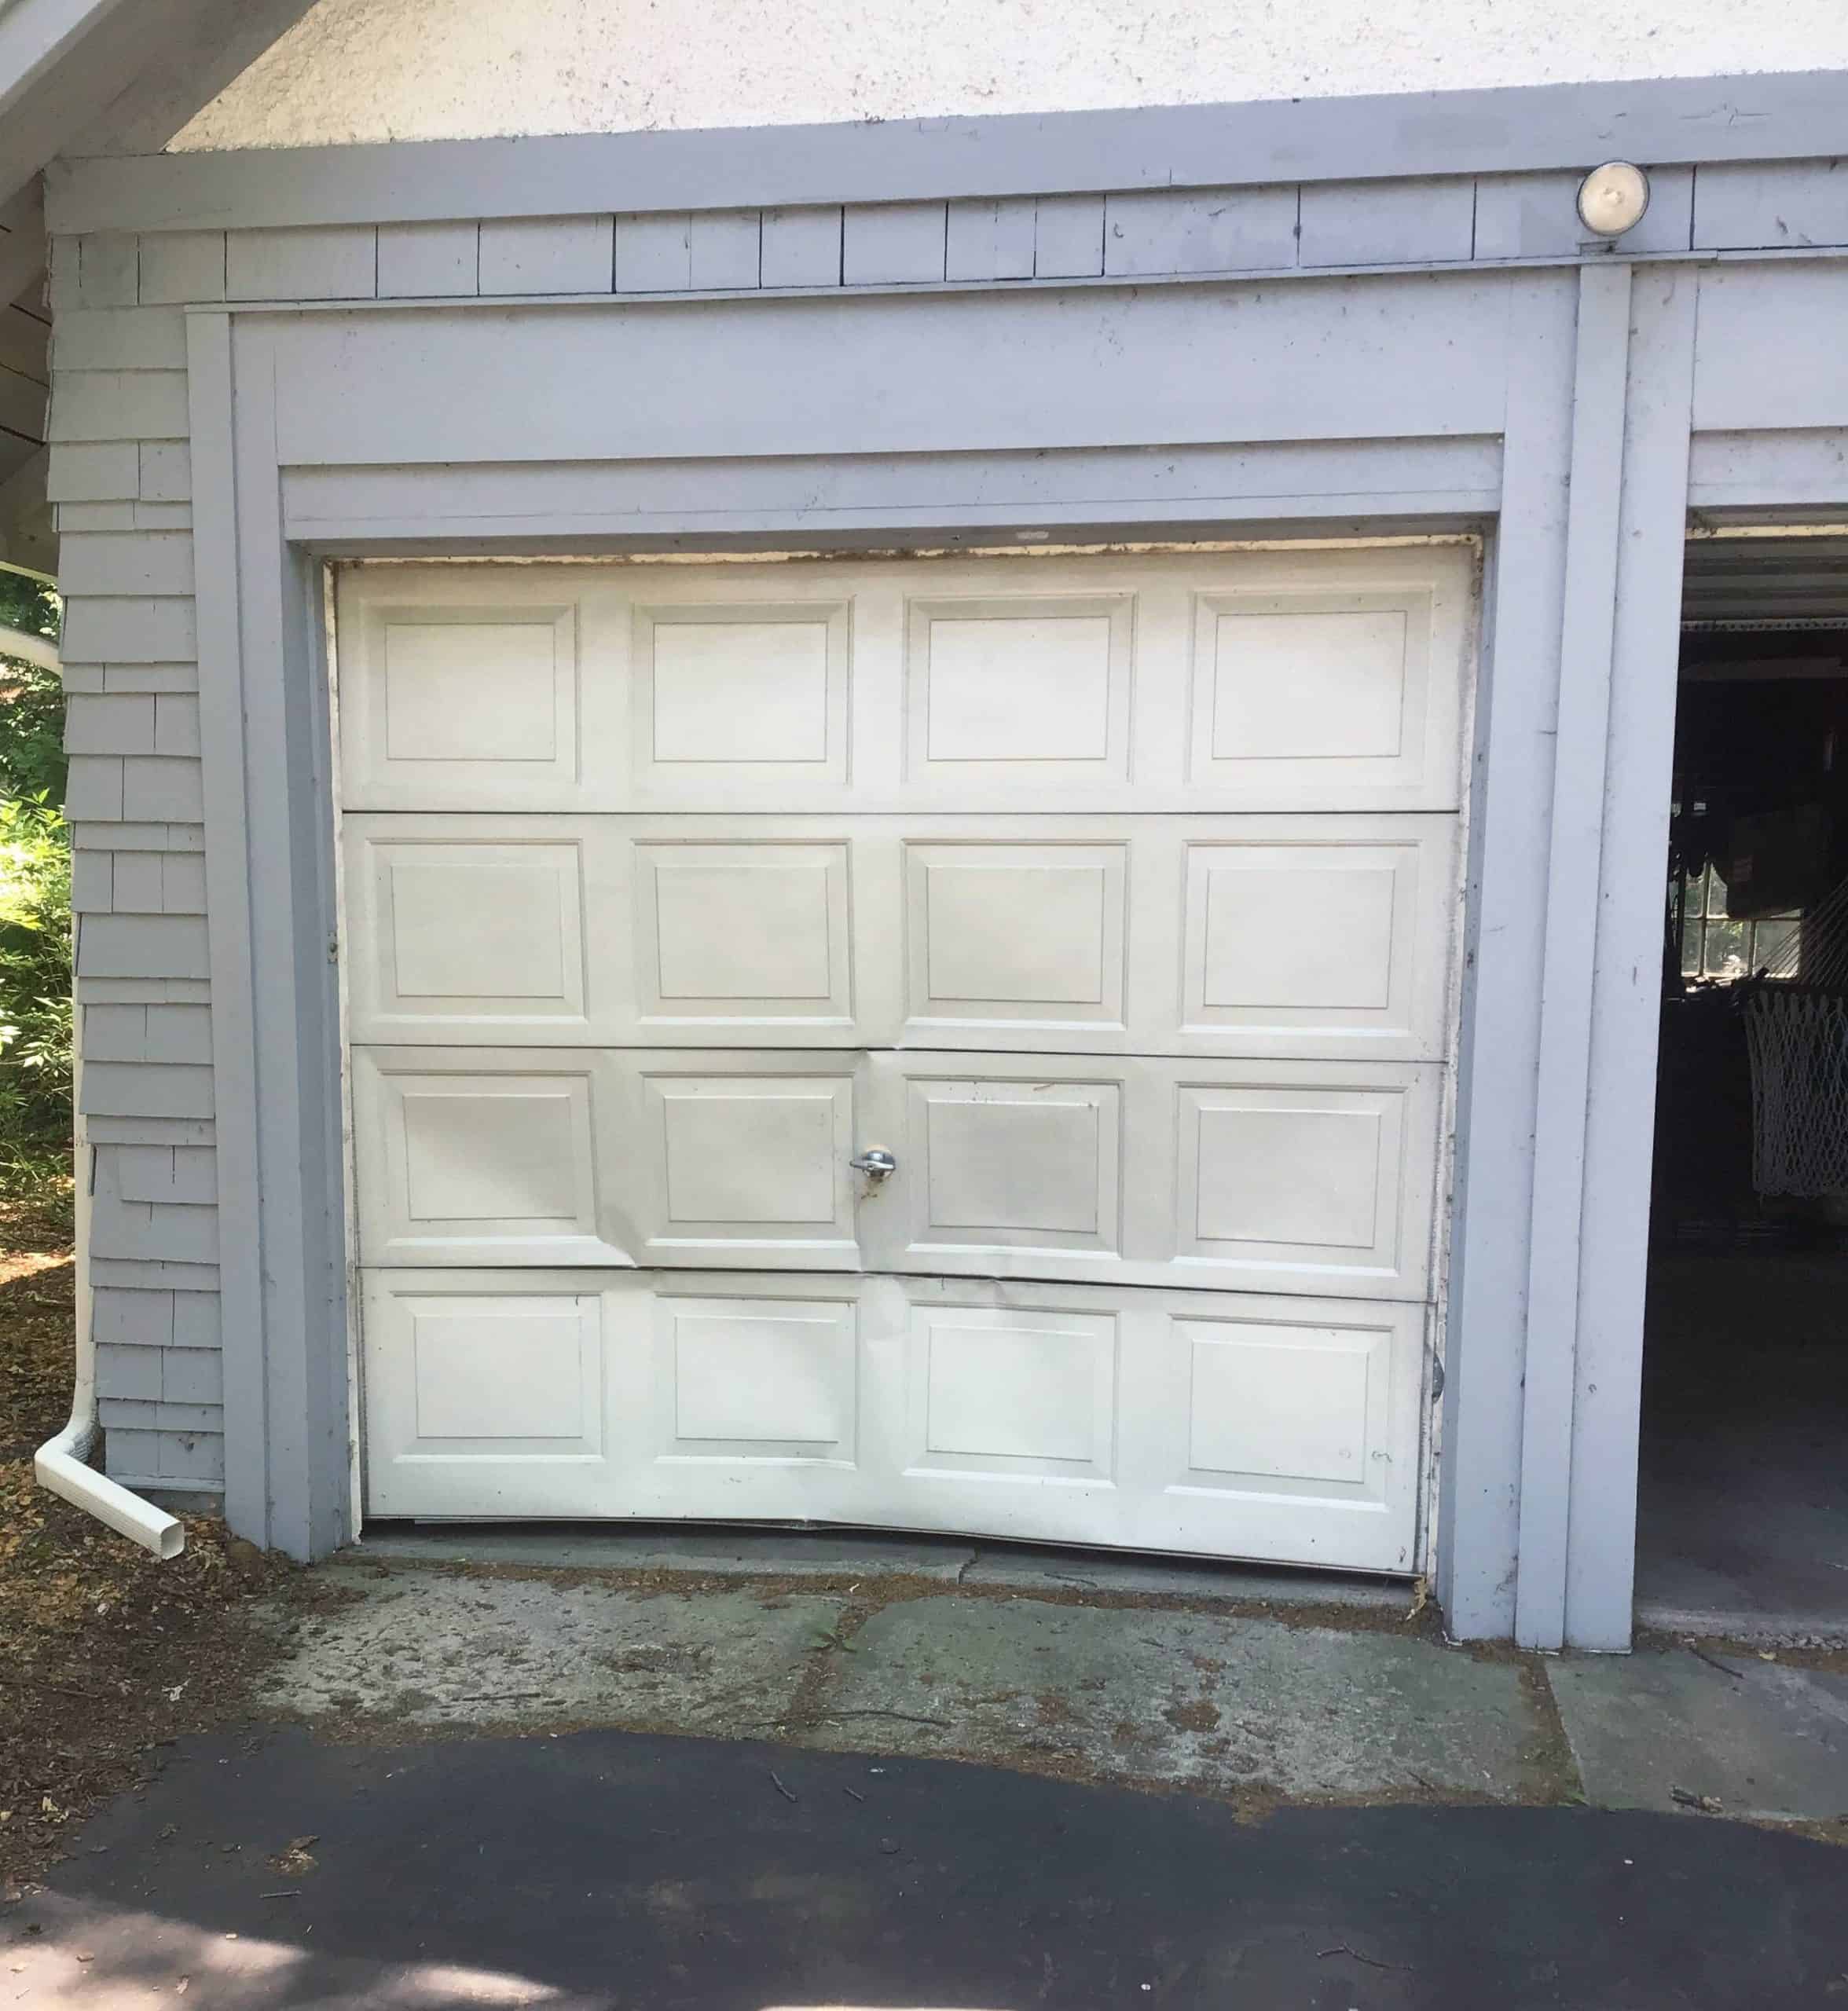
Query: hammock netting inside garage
{"x": 1796, "y": 1031}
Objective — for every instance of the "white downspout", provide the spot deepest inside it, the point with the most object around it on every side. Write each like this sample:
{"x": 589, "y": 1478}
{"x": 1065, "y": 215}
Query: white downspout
{"x": 59, "y": 1463}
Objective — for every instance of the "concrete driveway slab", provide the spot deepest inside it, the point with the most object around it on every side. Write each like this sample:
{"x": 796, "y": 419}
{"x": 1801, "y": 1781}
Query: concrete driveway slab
{"x": 1222, "y": 1701}
{"x": 601, "y": 1869}
{"x": 433, "y": 1648}
{"x": 1758, "y": 1738}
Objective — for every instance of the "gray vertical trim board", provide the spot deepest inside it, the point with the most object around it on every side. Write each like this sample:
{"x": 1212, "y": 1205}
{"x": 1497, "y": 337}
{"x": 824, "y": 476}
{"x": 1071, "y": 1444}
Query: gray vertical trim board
{"x": 1479, "y": 1478}
{"x": 1627, "y": 978}
{"x": 317, "y": 1139}
{"x": 228, "y": 892}
{"x": 1576, "y": 829}
{"x": 286, "y": 825}
{"x": 1673, "y": 121}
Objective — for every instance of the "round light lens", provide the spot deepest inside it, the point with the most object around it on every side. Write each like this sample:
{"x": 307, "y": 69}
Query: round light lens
{"x": 1612, "y": 199}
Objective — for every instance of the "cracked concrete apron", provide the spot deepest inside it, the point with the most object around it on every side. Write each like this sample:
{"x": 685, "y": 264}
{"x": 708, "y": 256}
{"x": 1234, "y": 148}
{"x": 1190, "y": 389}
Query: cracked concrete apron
{"x": 1133, "y": 1691}
{"x": 1098, "y": 1682}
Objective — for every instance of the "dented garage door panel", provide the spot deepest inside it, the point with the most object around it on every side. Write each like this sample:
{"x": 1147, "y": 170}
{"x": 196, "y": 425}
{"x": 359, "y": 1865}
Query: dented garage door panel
{"x": 1283, "y": 1428}
{"x": 1298, "y": 1176}
{"x": 1114, "y": 896}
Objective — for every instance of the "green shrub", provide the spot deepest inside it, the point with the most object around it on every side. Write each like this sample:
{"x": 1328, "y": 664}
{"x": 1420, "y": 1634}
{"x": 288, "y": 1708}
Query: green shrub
{"x": 35, "y": 1016}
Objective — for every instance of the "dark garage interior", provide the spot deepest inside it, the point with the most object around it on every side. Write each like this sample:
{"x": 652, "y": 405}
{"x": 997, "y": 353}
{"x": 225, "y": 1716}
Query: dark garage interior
{"x": 1743, "y": 1491}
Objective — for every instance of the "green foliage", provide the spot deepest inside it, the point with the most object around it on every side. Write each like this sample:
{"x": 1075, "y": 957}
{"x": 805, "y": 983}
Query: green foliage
{"x": 26, "y": 603}
{"x": 35, "y": 1016}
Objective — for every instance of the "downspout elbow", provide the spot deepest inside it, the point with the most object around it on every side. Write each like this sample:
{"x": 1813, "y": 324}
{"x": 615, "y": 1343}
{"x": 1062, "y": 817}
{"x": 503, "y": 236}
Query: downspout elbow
{"x": 59, "y": 1463}
{"x": 59, "y": 1466}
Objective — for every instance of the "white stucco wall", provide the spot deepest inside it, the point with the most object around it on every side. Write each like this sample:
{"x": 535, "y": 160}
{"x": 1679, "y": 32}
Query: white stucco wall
{"x": 367, "y": 69}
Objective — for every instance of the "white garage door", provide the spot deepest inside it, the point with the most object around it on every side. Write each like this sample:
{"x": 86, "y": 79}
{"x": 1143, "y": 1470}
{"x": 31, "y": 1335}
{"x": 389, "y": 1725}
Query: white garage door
{"x": 1110, "y": 896}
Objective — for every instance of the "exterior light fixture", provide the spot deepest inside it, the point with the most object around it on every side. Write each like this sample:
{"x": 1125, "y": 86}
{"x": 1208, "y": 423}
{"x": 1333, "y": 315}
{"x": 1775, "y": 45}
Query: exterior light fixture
{"x": 1612, "y": 198}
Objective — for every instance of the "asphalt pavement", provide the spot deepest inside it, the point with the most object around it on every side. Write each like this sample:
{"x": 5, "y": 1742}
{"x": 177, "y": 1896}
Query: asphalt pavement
{"x": 606, "y": 1868}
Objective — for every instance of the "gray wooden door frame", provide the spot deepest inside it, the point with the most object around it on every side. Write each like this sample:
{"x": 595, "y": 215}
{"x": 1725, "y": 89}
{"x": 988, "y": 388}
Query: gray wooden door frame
{"x": 1561, "y": 421}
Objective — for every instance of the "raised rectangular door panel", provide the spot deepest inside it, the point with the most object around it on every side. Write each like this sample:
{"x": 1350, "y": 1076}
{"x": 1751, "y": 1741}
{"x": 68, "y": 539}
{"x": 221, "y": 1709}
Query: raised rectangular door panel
{"x": 725, "y": 695}
{"x": 1031, "y": 1165}
{"x": 742, "y": 1158}
{"x": 487, "y": 1156}
{"x": 1013, "y": 1393}
{"x": 738, "y": 1382}
{"x": 496, "y": 1395}
{"x": 475, "y": 928}
{"x": 481, "y": 695}
{"x": 1288, "y": 1404}
{"x": 1025, "y": 936}
{"x": 757, "y": 934}
{"x": 1031, "y": 689}
{"x": 1314, "y": 696}
{"x": 1318, "y": 1178}
{"x": 1335, "y": 943}
{"x": 471, "y": 690}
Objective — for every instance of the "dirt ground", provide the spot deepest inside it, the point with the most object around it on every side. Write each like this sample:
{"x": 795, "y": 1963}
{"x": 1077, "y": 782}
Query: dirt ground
{"x": 104, "y": 1652}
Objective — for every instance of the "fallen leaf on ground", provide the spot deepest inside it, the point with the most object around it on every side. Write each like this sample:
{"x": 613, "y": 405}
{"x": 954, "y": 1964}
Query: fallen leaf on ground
{"x": 294, "y": 1858}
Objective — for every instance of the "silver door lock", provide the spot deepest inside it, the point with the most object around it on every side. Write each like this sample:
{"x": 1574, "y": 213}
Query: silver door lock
{"x": 875, "y": 1163}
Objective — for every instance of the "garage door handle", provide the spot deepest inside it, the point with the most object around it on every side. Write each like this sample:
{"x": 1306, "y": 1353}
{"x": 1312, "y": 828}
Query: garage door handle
{"x": 875, "y": 1163}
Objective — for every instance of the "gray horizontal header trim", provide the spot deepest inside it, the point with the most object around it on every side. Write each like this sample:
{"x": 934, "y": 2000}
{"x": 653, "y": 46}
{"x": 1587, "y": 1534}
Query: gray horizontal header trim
{"x": 1659, "y": 123}
{"x": 1171, "y": 368}
{"x": 841, "y": 501}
